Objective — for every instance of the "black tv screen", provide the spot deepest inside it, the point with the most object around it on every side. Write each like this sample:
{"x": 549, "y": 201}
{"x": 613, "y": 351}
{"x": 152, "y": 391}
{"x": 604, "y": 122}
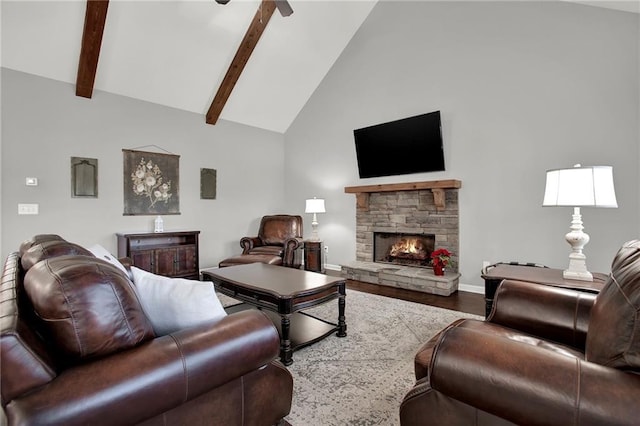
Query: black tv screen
{"x": 409, "y": 145}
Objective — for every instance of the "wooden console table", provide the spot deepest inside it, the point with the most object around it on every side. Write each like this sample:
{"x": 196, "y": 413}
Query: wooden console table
{"x": 494, "y": 275}
{"x": 172, "y": 254}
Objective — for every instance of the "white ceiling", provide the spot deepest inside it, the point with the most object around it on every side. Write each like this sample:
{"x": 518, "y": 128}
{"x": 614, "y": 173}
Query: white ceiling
{"x": 176, "y": 52}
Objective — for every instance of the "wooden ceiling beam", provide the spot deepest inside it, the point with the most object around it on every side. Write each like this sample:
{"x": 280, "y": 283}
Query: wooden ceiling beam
{"x": 249, "y": 42}
{"x": 94, "y": 21}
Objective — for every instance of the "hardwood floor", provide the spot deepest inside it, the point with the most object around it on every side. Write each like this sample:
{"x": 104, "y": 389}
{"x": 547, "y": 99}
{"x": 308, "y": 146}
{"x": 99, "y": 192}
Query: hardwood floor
{"x": 471, "y": 303}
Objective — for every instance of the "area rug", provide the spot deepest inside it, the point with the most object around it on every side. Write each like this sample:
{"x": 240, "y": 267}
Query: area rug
{"x": 361, "y": 379}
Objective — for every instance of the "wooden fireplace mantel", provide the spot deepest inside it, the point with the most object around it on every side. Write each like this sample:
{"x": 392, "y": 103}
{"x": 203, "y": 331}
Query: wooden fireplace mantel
{"x": 436, "y": 186}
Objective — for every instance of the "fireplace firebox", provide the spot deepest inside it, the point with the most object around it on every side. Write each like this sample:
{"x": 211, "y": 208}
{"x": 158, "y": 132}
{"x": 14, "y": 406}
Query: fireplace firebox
{"x": 403, "y": 248}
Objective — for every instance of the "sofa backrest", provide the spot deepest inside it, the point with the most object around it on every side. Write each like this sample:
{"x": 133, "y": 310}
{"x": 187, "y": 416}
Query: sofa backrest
{"x": 88, "y": 307}
{"x": 38, "y": 239}
{"x": 49, "y": 249}
{"x": 613, "y": 338}
{"x": 276, "y": 229}
{"x": 60, "y": 305}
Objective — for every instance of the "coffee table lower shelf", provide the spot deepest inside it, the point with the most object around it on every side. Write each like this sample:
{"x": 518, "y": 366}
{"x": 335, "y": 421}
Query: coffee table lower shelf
{"x": 305, "y": 329}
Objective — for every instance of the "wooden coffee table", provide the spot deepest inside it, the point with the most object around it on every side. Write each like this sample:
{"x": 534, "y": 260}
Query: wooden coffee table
{"x": 282, "y": 293}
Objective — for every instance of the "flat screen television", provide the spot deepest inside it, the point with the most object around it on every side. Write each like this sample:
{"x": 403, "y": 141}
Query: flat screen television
{"x": 409, "y": 145}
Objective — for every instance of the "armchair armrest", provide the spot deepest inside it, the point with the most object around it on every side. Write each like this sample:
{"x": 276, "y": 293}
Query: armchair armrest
{"x": 154, "y": 377}
{"x": 292, "y": 256}
{"x": 527, "y": 384}
{"x": 553, "y": 313}
{"x": 247, "y": 243}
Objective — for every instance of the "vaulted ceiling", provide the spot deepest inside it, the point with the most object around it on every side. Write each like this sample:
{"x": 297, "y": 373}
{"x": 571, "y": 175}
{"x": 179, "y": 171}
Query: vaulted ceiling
{"x": 176, "y": 53}
{"x": 180, "y": 53}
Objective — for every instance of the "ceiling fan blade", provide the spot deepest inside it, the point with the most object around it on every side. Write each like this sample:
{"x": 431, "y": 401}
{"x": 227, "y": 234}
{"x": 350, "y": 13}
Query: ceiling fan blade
{"x": 283, "y": 7}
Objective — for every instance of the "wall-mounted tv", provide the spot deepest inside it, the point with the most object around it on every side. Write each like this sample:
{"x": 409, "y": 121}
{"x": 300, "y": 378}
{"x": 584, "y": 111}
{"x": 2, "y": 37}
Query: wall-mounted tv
{"x": 409, "y": 145}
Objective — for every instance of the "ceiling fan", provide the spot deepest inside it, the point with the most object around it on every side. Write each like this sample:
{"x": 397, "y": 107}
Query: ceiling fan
{"x": 283, "y": 6}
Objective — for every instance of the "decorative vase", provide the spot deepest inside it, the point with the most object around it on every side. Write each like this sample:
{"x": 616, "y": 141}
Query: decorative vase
{"x": 438, "y": 269}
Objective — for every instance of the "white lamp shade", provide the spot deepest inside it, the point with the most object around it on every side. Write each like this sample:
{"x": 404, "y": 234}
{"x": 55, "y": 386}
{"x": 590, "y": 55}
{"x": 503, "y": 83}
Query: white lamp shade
{"x": 314, "y": 206}
{"x": 580, "y": 186}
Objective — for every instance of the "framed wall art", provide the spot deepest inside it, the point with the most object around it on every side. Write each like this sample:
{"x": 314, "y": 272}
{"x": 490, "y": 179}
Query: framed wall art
{"x": 208, "y": 184}
{"x": 84, "y": 177}
{"x": 151, "y": 183}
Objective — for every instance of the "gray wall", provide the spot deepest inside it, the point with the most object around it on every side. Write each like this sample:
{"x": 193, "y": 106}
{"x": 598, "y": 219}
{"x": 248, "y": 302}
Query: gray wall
{"x": 44, "y": 124}
{"x": 523, "y": 87}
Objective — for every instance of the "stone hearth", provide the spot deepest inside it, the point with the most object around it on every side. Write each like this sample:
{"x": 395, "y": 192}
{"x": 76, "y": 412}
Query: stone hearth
{"x": 420, "y": 208}
{"x": 407, "y": 277}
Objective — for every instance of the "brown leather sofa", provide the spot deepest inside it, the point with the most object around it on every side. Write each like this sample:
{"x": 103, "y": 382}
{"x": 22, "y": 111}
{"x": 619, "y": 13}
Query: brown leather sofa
{"x": 77, "y": 349}
{"x": 544, "y": 356}
{"x": 279, "y": 242}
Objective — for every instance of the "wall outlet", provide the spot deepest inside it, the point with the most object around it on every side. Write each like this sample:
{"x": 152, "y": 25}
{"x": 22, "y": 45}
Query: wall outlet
{"x": 485, "y": 265}
{"x": 326, "y": 249}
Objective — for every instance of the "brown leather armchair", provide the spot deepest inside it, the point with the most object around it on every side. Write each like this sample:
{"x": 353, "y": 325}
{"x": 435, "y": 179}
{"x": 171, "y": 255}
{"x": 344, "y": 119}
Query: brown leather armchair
{"x": 279, "y": 242}
{"x": 77, "y": 349}
{"x": 544, "y": 356}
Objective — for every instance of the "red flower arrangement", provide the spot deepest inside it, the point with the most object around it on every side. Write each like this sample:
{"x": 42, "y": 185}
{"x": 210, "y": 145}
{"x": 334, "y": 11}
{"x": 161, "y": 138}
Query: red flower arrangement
{"x": 440, "y": 258}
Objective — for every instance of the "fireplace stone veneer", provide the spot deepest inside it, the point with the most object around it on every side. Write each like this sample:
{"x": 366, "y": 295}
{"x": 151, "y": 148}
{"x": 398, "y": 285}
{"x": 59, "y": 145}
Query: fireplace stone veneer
{"x": 411, "y": 208}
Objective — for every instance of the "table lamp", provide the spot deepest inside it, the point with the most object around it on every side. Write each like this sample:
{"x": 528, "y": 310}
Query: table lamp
{"x": 579, "y": 187}
{"x": 314, "y": 206}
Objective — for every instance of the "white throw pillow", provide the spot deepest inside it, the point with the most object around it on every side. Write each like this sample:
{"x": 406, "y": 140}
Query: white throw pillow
{"x": 172, "y": 304}
{"x": 102, "y": 253}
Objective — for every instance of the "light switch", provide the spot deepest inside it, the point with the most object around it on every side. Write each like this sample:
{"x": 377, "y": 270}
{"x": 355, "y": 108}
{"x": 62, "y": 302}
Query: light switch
{"x": 32, "y": 181}
{"x": 27, "y": 209}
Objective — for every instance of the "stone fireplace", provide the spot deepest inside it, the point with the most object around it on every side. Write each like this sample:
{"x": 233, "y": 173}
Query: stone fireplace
{"x": 412, "y": 220}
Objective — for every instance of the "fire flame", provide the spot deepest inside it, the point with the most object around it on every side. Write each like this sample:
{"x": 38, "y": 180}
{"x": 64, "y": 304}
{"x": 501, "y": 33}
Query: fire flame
{"x": 408, "y": 246}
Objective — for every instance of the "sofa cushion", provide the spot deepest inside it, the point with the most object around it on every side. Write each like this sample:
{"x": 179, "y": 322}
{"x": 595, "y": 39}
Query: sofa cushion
{"x": 243, "y": 259}
{"x": 268, "y": 250}
{"x": 172, "y": 304}
{"x": 88, "y": 308}
{"x": 613, "y": 338}
{"x": 48, "y": 249}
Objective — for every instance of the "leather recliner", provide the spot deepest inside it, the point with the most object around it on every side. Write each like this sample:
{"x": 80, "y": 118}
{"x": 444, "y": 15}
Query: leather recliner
{"x": 544, "y": 356}
{"x": 279, "y": 242}
{"x": 77, "y": 349}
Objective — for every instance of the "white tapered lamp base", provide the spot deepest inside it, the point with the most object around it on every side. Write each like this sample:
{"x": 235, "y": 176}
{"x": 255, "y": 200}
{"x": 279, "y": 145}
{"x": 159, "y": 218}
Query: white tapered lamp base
{"x": 577, "y": 239}
{"x": 314, "y": 227}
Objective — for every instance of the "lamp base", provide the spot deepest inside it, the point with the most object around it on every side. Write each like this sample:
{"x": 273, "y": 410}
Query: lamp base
{"x": 573, "y": 275}
{"x": 314, "y": 227}
{"x": 577, "y": 239}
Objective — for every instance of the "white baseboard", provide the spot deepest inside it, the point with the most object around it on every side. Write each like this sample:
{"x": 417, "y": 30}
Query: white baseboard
{"x": 470, "y": 288}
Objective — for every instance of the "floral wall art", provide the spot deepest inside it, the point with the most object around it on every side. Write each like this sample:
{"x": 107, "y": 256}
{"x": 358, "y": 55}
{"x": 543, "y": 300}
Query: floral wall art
{"x": 150, "y": 183}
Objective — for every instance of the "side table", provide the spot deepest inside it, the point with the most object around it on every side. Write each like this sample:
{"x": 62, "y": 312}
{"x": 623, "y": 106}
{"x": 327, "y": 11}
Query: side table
{"x": 313, "y": 256}
{"x": 494, "y": 275}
